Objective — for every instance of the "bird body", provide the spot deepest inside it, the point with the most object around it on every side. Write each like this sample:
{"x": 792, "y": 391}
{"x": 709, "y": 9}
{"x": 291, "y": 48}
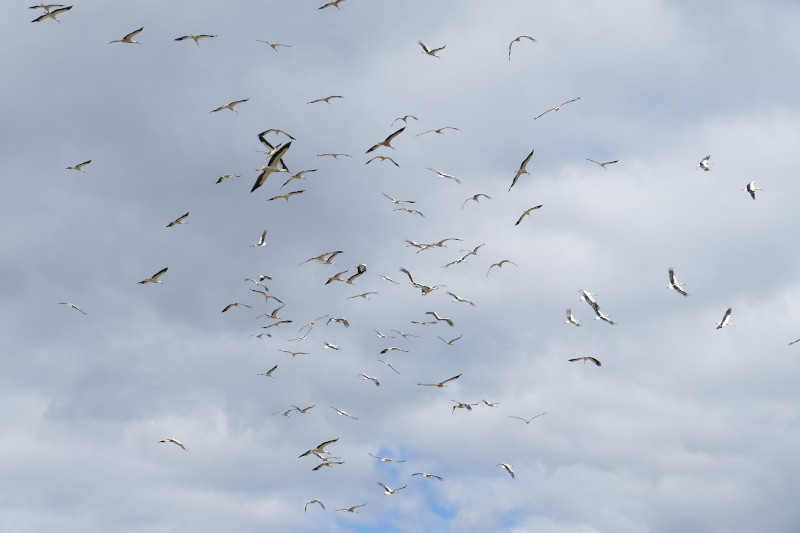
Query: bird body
{"x": 269, "y": 372}
{"x": 261, "y": 241}
{"x": 527, "y": 420}
{"x": 526, "y": 213}
{"x": 508, "y": 468}
{"x": 603, "y": 164}
{"x": 675, "y": 284}
{"x": 441, "y": 383}
{"x": 391, "y": 491}
{"x": 704, "y": 163}
{"x": 571, "y": 319}
{"x": 73, "y": 306}
{"x": 387, "y": 142}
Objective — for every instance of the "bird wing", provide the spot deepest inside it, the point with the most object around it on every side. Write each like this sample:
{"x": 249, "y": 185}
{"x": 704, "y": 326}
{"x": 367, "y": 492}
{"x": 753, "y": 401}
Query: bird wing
{"x": 450, "y": 379}
{"x": 424, "y": 47}
{"x": 132, "y": 34}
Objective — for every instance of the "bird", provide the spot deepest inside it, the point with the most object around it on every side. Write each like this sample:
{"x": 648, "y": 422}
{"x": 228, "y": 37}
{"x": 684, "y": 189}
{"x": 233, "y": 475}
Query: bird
{"x": 327, "y": 462}
{"x": 234, "y": 304}
{"x": 266, "y": 296}
{"x": 364, "y": 295}
{"x": 46, "y": 7}
{"x": 556, "y": 108}
{"x": 387, "y": 460}
{"x": 599, "y": 315}
{"x": 588, "y": 297}
{"x": 287, "y": 413}
{"x": 227, "y": 176}
{"x": 275, "y": 130}
{"x": 342, "y": 321}
{"x": 154, "y": 277}
{"x": 461, "y": 405}
{"x": 304, "y": 410}
{"x": 275, "y": 165}
{"x": 441, "y": 383}
{"x": 343, "y": 413}
{"x": 391, "y": 491}
{"x": 508, "y": 469}
{"x": 404, "y": 335}
{"x": 273, "y": 315}
{"x": 431, "y": 52}
{"x": 389, "y": 365}
{"x": 410, "y": 211}
{"x": 387, "y": 141}
{"x": 174, "y": 441}
{"x": 584, "y": 359}
{"x": 285, "y": 196}
{"x": 325, "y": 258}
{"x": 319, "y": 448}
{"x": 360, "y": 269}
{"x": 476, "y": 198}
{"x": 274, "y": 46}
{"x": 675, "y": 284}
{"x": 195, "y": 38}
{"x": 451, "y": 341}
{"x": 180, "y": 220}
{"x": 269, "y": 372}
{"x": 443, "y": 175}
{"x": 261, "y": 242}
{"x": 404, "y": 119}
{"x": 499, "y": 265}
{"x": 517, "y": 40}
{"x": 327, "y": 99}
{"x": 571, "y": 319}
{"x": 331, "y": 346}
{"x": 603, "y": 164}
{"x": 393, "y": 349}
{"x": 474, "y": 251}
{"x": 751, "y": 188}
{"x": 725, "y": 319}
{"x": 50, "y": 14}
{"x": 798, "y": 340}
{"x": 278, "y": 323}
{"x": 526, "y": 213}
{"x": 704, "y": 163}
{"x": 462, "y": 259}
{"x": 440, "y": 131}
{"x": 335, "y": 4}
{"x": 491, "y": 404}
{"x": 383, "y": 158}
{"x": 298, "y": 176}
{"x": 293, "y": 354}
{"x": 370, "y": 378}
{"x": 353, "y": 508}
{"x": 335, "y": 156}
{"x": 79, "y": 166}
{"x": 73, "y": 306}
{"x": 309, "y": 502}
{"x": 429, "y": 476}
{"x": 527, "y": 420}
{"x": 128, "y": 38}
{"x": 522, "y": 169}
{"x": 387, "y": 278}
{"x": 438, "y": 318}
{"x": 231, "y": 106}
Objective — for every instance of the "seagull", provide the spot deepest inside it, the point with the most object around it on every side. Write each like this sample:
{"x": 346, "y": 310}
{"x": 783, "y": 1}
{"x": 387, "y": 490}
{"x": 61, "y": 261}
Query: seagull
{"x": 285, "y": 196}
{"x": 370, "y": 378}
{"x": 180, "y": 220}
{"x": 230, "y": 106}
{"x": 443, "y": 175}
{"x": 439, "y": 318}
{"x": 79, "y": 166}
{"x": 603, "y": 164}
{"x": 234, "y": 304}
{"x": 50, "y": 14}
{"x": 675, "y": 284}
{"x": 387, "y": 460}
{"x": 424, "y": 474}
{"x": 269, "y": 372}
{"x": 353, "y": 508}
{"x": 261, "y": 242}
{"x": 517, "y": 40}
{"x": 441, "y": 383}
{"x": 309, "y": 502}
{"x": 704, "y": 163}
{"x": 457, "y": 298}
{"x": 490, "y": 404}
{"x": 404, "y": 118}
{"x": 73, "y": 306}
{"x": 440, "y": 131}
{"x": 451, "y": 341}
{"x": 195, "y": 38}
{"x": 327, "y": 99}
{"x": 460, "y": 405}
{"x": 274, "y": 46}
{"x": 128, "y": 38}
{"x": 526, "y": 213}
{"x": 391, "y": 491}
{"x": 584, "y": 359}
{"x": 522, "y": 170}
{"x": 571, "y": 319}
{"x": 387, "y": 141}
{"x": 508, "y": 469}
{"x": 499, "y": 265}
{"x": 725, "y": 319}
{"x": 320, "y": 448}
{"x": 174, "y": 441}
{"x": 476, "y": 198}
{"x": 274, "y": 162}
{"x": 343, "y": 413}
{"x": 389, "y": 365}
{"x": 335, "y": 4}
{"x": 383, "y": 158}
{"x": 751, "y": 188}
{"x": 154, "y": 278}
{"x": 556, "y": 108}
{"x": 431, "y": 52}
{"x": 527, "y": 420}
{"x": 227, "y": 176}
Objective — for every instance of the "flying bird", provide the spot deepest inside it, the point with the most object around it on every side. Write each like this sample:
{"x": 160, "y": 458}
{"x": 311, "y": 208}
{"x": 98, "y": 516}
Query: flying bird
{"x": 274, "y": 46}
{"x": 584, "y": 359}
{"x": 704, "y": 163}
{"x": 441, "y": 383}
{"x": 391, "y": 491}
{"x": 675, "y": 284}
{"x": 725, "y": 319}
{"x": 370, "y": 378}
{"x": 46, "y": 7}
{"x": 526, "y": 213}
{"x": 603, "y": 164}
{"x": 195, "y": 38}
{"x": 234, "y": 304}
{"x": 335, "y": 156}
{"x": 527, "y": 420}
{"x": 429, "y": 476}
{"x": 79, "y": 166}
{"x": 462, "y": 405}
{"x": 180, "y": 220}
{"x": 457, "y": 298}
{"x": 73, "y": 306}
{"x": 451, "y": 341}
{"x": 751, "y": 188}
{"x": 438, "y": 318}
{"x": 320, "y": 448}
{"x": 294, "y": 354}
{"x": 499, "y": 265}
{"x": 309, "y": 502}
{"x": 443, "y": 175}
{"x": 342, "y": 321}
{"x": 404, "y": 119}
{"x": 364, "y": 295}
{"x": 387, "y": 460}
{"x": 261, "y": 242}
{"x": 298, "y": 176}
{"x": 335, "y": 4}
{"x": 50, "y": 14}
{"x": 507, "y": 468}
{"x": 798, "y": 340}
{"x": 227, "y": 176}
{"x": 440, "y": 131}
{"x": 327, "y": 99}
{"x": 522, "y": 169}
{"x": 154, "y": 278}
{"x": 387, "y": 142}
{"x": 343, "y": 413}
{"x": 275, "y": 165}
{"x": 389, "y": 365}
{"x": 491, "y": 404}
{"x": 411, "y": 211}
{"x": 556, "y": 108}
{"x": 128, "y": 38}
{"x": 383, "y": 158}
{"x": 174, "y": 441}
{"x": 231, "y": 106}
{"x": 353, "y": 508}
{"x": 431, "y": 52}
{"x": 476, "y": 198}
{"x": 517, "y": 40}
{"x": 393, "y": 349}
{"x": 269, "y": 372}
{"x": 285, "y": 196}
{"x": 571, "y": 319}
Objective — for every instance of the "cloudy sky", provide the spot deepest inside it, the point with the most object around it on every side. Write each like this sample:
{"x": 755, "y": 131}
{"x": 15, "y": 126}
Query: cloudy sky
{"x": 684, "y": 427}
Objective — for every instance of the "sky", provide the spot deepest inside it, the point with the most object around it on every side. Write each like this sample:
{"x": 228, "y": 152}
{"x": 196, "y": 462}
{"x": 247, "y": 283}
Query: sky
{"x": 683, "y": 427}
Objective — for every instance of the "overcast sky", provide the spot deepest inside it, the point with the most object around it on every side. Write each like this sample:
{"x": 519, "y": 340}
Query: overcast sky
{"x": 684, "y": 427}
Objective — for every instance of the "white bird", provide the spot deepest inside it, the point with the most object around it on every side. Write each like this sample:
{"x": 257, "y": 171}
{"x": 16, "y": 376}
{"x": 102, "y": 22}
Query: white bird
{"x": 508, "y": 468}
{"x": 390, "y": 365}
{"x": 174, "y": 441}
{"x": 603, "y": 164}
{"x": 274, "y": 46}
{"x": 725, "y": 319}
{"x": 438, "y": 318}
{"x": 425, "y": 474}
{"x": 526, "y": 213}
{"x": 46, "y": 7}
{"x": 584, "y": 359}
{"x": 320, "y": 448}
{"x": 440, "y": 131}
{"x": 370, "y": 378}
{"x": 383, "y": 158}
{"x": 517, "y": 40}
{"x": 556, "y": 108}
{"x": 404, "y": 335}
{"x": 443, "y": 175}
{"x": 50, "y": 14}
{"x": 285, "y": 196}
{"x": 462, "y": 405}
{"x": 334, "y": 155}
{"x": 387, "y": 460}
{"x": 331, "y": 346}
{"x": 393, "y": 349}
{"x": 266, "y": 296}
{"x": 327, "y": 99}
{"x": 128, "y": 38}
{"x": 342, "y": 321}
{"x": 457, "y": 298}
{"x": 798, "y": 340}
{"x": 335, "y": 4}
{"x": 353, "y": 508}
{"x": 499, "y": 265}
{"x": 675, "y": 284}
{"x": 364, "y": 295}
{"x": 704, "y": 163}
{"x": 588, "y": 297}
{"x": 298, "y": 176}
{"x": 73, "y": 306}
{"x": 431, "y": 52}
{"x": 343, "y": 413}
{"x": 309, "y": 502}
{"x": 387, "y": 141}
{"x": 476, "y": 198}
{"x": 261, "y": 242}
{"x": 391, "y": 491}
{"x": 491, "y": 404}
{"x": 227, "y": 176}
{"x": 195, "y": 38}
{"x": 441, "y": 383}
{"x": 269, "y": 372}
{"x": 527, "y": 420}
{"x": 234, "y": 304}
{"x": 404, "y": 119}
{"x": 599, "y": 315}
{"x": 294, "y": 354}
{"x": 522, "y": 169}
{"x": 571, "y": 319}
{"x": 275, "y": 165}
{"x": 751, "y": 188}
{"x": 154, "y": 278}
{"x": 305, "y": 410}
{"x": 180, "y": 220}
{"x": 79, "y": 166}
{"x": 410, "y": 211}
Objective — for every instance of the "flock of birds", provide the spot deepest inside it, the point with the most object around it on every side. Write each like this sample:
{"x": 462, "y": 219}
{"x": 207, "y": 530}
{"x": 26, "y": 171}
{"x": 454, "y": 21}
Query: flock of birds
{"x": 277, "y": 154}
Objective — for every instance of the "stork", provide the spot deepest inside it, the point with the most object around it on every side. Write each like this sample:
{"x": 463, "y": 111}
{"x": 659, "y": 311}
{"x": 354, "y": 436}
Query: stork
{"x": 261, "y": 242}
{"x": 73, "y": 306}
{"x": 751, "y": 188}
{"x": 704, "y": 163}
{"x": 269, "y": 372}
{"x": 675, "y": 284}
{"x": 522, "y": 169}
{"x": 387, "y": 142}
{"x": 275, "y": 165}
{"x": 154, "y": 277}
{"x": 180, "y": 220}
{"x": 50, "y": 14}
{"x": 174, "y": 441}
{"x": 517, "y": 40}
{"x": 231, "y": 106}
{"x": 195, "y": 38}
{"x": 79, "y": 166}
{"x": 571, "y": 319}
{"x": 441, "y": 383}
{"x": 327, "y": 99}
{"x": 603, "y": 164}
{"x": 556, "y": 108}
{"x": 526, "y": 213}
{"x": 391, "y": 491}
{"x": 274, "y": 46}
{"x": 527, "y": 420}
{"x": 476, "y": 198}
{"x": 128, "y": 39}
{"x": 508, "y": 469}
{"x": 584, "y": 359}
{"x": 309, "y": 502}
{"x": 431, "y": 52}
{"x": 725, "y": 319}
